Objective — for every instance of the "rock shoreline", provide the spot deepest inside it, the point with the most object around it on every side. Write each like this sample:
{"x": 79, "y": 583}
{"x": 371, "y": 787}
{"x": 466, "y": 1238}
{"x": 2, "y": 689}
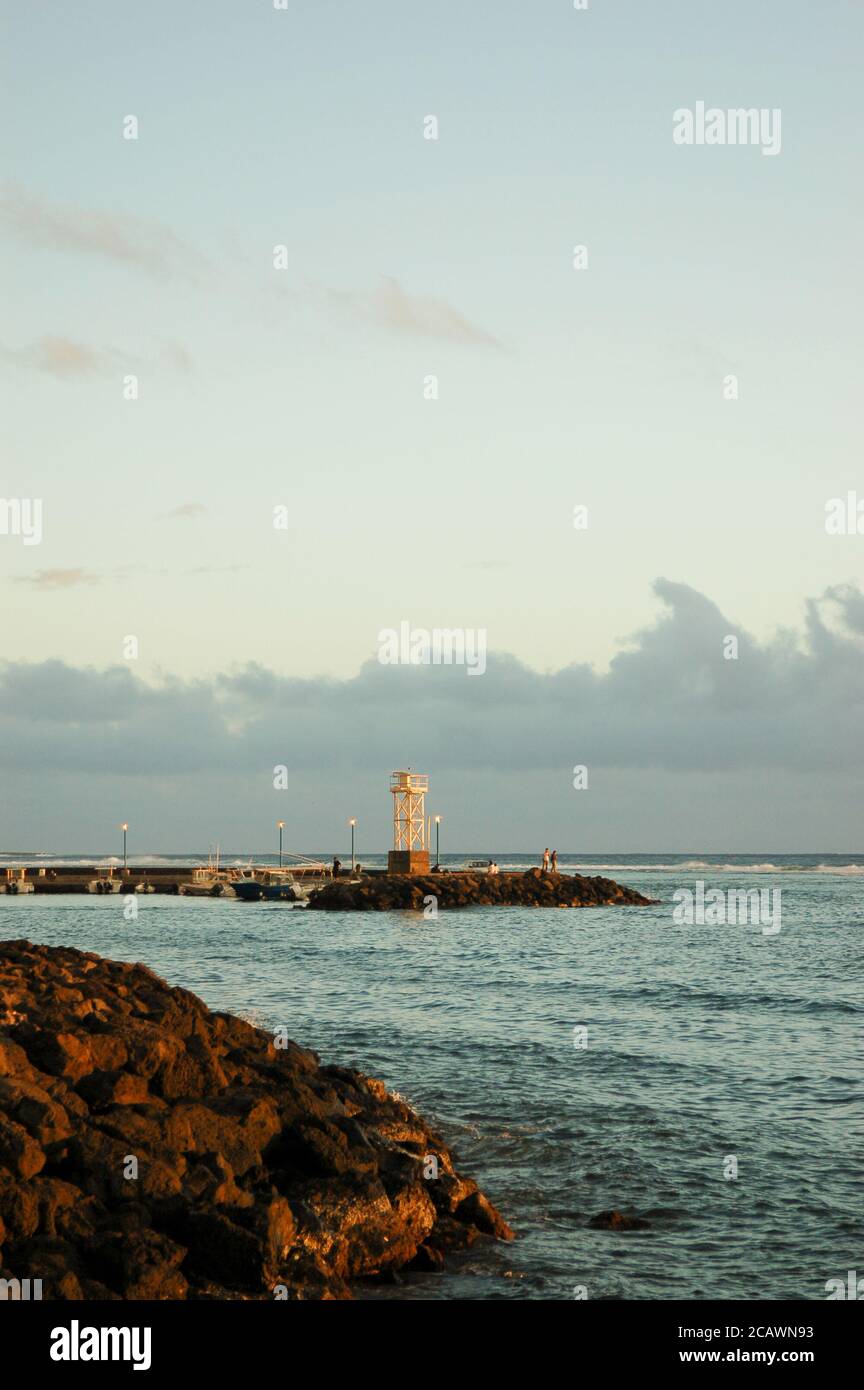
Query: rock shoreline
{"x": 531, "y": 889}
{"x": 153, "y": 1149}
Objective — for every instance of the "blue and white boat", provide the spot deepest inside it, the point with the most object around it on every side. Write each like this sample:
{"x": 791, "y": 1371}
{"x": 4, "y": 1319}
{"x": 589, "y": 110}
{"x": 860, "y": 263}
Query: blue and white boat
{"x": 270, "y": 885}
{"x": 287, "y": 885}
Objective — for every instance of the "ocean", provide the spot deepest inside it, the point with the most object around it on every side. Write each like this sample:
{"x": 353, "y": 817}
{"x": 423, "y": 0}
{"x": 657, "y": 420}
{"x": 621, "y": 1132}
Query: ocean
{"x": 712, "y": 1085}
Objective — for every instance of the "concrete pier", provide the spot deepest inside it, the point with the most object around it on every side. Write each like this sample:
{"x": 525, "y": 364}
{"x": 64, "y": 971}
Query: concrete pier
{"x": 74, "y": 878}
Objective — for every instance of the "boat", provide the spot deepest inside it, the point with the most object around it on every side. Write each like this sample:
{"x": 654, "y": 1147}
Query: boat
{"x": 104, "y": 882}
{"x": 16, "y": 881}
{"x": 203, "y": 884}
{"x": 269, "y": 885}
{"x": 285, "y": 884}
{"x": 208, "y": 880}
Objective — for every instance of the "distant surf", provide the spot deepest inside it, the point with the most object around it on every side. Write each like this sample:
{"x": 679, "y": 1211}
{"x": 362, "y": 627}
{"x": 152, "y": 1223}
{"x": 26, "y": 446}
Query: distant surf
{"x": 850, "y": 865}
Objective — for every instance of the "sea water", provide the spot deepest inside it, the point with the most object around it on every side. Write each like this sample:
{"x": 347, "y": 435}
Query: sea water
{"x": 706, "y": 1079}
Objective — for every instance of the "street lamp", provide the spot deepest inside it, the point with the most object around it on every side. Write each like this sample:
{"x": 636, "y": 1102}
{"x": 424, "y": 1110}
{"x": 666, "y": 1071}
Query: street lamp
{"x": 438, "y": 841}
{"x": 281, "y": 826}
{"x": 124, "y": 827}
{"x": 352, "y": 822}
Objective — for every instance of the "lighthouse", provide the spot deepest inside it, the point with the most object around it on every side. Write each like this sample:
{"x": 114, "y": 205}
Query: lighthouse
{"x": 410, "y": 852}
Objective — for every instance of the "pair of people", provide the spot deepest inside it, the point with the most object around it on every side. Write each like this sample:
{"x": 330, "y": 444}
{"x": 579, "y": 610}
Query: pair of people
{"x": 550, "y": 861}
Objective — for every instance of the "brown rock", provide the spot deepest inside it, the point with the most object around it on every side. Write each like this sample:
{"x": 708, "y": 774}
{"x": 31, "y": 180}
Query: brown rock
{"x": 427, "y": 1260}
{"x": 18, "y": 1152}
{"x": 257, "y": 1172}
{"x": 19, "y": 1208}
{"x": 478, "y": 1211}
{"x": 531, "y": 889}
{"x": 139, "y": 1264}
{"x": 102, "y": 1089}
{"x": 65, "y": 1054}
{"x": 13, "y": 1061}
{"x": 617, "y": 1221}
{"x": 196, "y": 1128}
{"x": 221, "y": 1249}
{"x": 33, "y": 1108}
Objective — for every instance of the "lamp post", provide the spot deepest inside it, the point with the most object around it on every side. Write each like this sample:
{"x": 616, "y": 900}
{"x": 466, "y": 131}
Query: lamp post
{"x": 352, "y": 822}
{"x": 438, "y": 841}
{"x": 124, "y": 827}
{"x": 281, "y": 826}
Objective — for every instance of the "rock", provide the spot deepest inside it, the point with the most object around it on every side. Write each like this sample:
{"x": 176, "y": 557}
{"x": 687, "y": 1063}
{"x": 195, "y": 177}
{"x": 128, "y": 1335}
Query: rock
{"x": 428, "y": 1260}
{"x": 617, "y": 1221}
{"x": 13, "y": 1060}
{"x": 33, "y": 1108}
{"x": 139, "y": 1264}
{"x": 101, "y": 1089}
{"x": 18, "y": 1152}
{"x": 389, "y": 892}
{"x": 224, "y": 1250}
{"x": 150, "y": 1149}
{"x": 19, "y": 1207}
{"x": 63, "y": 1054}
{"x": 478, "y": 1211}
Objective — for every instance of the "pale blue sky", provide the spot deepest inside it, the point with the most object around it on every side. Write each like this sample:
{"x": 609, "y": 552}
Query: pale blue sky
{"x": 406, "y": 258}
{"x": 304, "y": 127}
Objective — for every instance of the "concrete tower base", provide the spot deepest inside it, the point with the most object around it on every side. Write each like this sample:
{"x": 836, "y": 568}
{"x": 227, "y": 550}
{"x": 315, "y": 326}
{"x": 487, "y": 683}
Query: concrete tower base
{"x": 408, "y": 861}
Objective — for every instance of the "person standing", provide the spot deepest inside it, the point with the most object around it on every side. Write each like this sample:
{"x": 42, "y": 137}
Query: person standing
{"x": 546, "y": 861}
{"x": 554, "y": 861}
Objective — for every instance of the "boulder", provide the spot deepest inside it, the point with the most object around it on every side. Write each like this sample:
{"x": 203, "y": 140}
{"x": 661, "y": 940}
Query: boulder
{"x": 617, "y": 1221}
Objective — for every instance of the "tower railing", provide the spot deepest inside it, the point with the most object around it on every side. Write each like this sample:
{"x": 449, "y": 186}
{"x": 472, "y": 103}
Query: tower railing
{"x": 409, "y": 781}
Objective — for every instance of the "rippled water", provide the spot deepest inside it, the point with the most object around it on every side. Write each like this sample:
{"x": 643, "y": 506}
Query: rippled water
{"x": 703, "y": 1042}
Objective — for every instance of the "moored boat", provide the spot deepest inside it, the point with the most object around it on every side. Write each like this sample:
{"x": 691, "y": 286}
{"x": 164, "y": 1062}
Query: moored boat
{"x": 269, "y": 885}
{"x": 291, "y": 885}
{"x": 208, "y": 880}
{"x": 104, "y": 882}
{"x": 16, "y": 881}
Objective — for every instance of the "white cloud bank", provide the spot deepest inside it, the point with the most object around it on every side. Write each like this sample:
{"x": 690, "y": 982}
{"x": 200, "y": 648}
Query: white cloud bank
{"x": 670, "y": 706}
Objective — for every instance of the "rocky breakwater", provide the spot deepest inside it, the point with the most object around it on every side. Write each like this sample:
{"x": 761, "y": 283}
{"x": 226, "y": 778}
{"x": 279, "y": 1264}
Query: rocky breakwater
{"x": 531, "y": 889}
{"x": 151, "y": 1149}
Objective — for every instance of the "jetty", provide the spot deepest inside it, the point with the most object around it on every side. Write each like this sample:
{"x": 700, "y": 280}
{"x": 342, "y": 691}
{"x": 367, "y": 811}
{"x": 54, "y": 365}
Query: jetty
{"x": 409, "y": 882}
{"x": 193, "y": 878}
{"x": 389, "y": 892}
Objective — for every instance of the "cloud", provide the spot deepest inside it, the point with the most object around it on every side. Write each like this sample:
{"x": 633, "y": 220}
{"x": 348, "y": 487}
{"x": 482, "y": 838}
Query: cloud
{"x": 60, "y": 578}
{"x": 390, "y": 306}
{"x": 670, "y": 701}
{"x": 66, "y": 358}
{"x": 134, "y": 242}
{"x": 63, "y": 357}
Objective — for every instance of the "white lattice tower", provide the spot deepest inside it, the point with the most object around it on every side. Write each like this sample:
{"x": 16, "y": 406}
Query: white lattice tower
{"x": 409, "y": 818}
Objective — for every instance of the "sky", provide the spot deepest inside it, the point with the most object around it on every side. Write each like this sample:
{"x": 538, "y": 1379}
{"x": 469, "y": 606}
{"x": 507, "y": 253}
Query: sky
{"x": 424, "y": 387}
